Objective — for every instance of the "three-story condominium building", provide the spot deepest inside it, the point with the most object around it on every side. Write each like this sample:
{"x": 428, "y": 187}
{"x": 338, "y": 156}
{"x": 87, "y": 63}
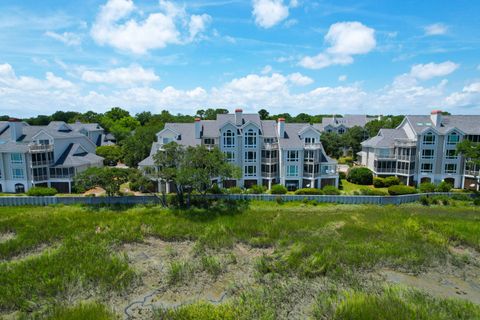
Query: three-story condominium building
{"x": 423, "y": 149}
{"x": 268, "y": 152}
{"x": 45, "y": 155}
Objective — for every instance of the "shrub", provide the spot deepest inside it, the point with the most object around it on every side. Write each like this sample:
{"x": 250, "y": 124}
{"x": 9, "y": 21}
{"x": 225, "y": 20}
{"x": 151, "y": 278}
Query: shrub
{"x": 309, "y": 191}
{"x": 401, "y": 189}
{"x": 41, "y": 192}
{"x": 330, "y": 190}
{"x": 461, "y": 197}
{"x": 391, "y": 181}
{"x": 444, "y": 187}
{"x": 424, "y": 200}
{"x": 342, "y": 175}
{"x": 256, "y": 189}
{"x": 215, "y": 189}
{"x": 371, "y": 192}
{"x": 345, "y": 160}
{"x": 234, "y": 190}
{"x": 360, "y": 175}
{"x": 476, "y": 201}
{"x": 378, "y": 182}
{"x": 278, "y": 189}
{"x": 426, "y": 187}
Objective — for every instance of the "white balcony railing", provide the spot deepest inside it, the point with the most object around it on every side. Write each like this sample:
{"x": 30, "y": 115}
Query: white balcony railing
{"x": 34, "y": 147}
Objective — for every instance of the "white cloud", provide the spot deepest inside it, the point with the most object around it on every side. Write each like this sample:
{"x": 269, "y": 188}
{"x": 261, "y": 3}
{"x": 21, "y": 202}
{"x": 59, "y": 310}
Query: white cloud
{"x": 68, "y": 38}
{"x": 171, "y": 25}
{"x": 432, "y": 70}
{"x": 267, "y": 69}
{"x": 299, "y": 79}
{"x": 342, "y": 78}
{"x": 123, "y": 76}
{"x": 435, "y": 29}
{"x": 268, "y": 13}
{"x": 345, "y": 40}
{"x": 468, "y": 98}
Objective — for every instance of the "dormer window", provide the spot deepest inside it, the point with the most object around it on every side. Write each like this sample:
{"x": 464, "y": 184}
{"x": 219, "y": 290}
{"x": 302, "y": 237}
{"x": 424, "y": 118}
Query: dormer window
{"x": 453, "y": 138}
{"x": 429, "y": 138}
{"x": 341, "y": 131}
{"x": 309, "y": 140}
{"x": 166, "y": 140}
{"x": 208, "y": 141}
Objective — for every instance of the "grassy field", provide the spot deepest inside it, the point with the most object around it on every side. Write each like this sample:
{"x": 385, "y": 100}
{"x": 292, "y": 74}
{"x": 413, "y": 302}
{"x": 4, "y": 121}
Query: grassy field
{"x": 349, "y": 188}
{"x": 322, "y": 262}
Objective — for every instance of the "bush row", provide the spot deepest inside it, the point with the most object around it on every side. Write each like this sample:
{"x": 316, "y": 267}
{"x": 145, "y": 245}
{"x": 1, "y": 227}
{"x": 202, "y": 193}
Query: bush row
{"x": 41, "y": 192}
{"x": 385, "y": 182}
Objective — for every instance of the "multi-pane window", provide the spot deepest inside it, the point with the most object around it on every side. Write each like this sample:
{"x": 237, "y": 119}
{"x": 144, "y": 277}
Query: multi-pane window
{"x": 16, "y": 158}
{"x": 451, "y": 154}
{"x": 17, "y": 173}
{"x": 209, "y": 141}
{"x": 250, "y": 139}
{"x": 228, "y": 139}
{"x": 269, "y": 154}
{"x": 309, "y": 155}
{"x": 292, "y": 171}
{"x": 451, "y": 168}
{"x": 250, "y": 156}
{"x": 230, "y": 156}
{"x": 453, "y": 138}
{"x": 309, "y": 140}
{"x": 428, "y": 153}
{"x": 473, "y": 138}
{"x": 341, "y": 131}
{"x": 292, "y": 155}
{"x": 429, "y": 138}
{"x": 250, "y": 171}
{"x": 269, "y": 169}
{"x": 166, "y": 140}
{"x": 44, "y": 142}
{"x": 426, "y": 167}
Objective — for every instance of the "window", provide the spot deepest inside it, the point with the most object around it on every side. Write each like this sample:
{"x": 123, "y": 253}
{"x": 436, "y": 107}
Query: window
{"x": 16, "y": 158}
{"x": 429, "y": 138}
{"x": 250, "y": 171}
{"x": 309, "y": 140}
{"x": 228, "y": 139}
{"x": 250, "y": 139}
{"x": 230, "y": 156}
{"x": 451, "y": 168}
{"x": 473, "y": 138}
{"x": 166, "y": 140}
{"x": 451, "y": 154}
{"x": 453, "y": 138}
{"x": 428, "y": 154}
{"x": 17, "y": 173}
{"x": 250, "y": 156}
{"x": 341, "y": 131}
{"x": 269, "y": 140}
{"x": 292, "y": 171}
{"x": 269, "y": 154}
{"x": 427, "y": 168}
{"x": 309, "y": 155}
{"x": 44, "y": 142}
{"x": 292, "y": 155}
{"x": 209, "y": 141}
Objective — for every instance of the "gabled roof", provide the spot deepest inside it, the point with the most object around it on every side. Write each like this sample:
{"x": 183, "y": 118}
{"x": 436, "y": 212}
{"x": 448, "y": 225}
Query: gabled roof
{"x": 385, "y": 138}
{"x": 466, "y": 124}
{"x": 75, "y": 155}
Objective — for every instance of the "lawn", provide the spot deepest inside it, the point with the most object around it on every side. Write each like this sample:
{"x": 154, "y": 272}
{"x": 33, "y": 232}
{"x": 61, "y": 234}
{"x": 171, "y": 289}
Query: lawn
{"x": 349, "y": 187}
{"x": 317, "y": 261}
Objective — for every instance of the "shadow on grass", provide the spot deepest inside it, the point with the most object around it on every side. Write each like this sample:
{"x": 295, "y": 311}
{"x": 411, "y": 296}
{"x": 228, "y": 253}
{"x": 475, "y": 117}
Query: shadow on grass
{"x": 208, "y": 210}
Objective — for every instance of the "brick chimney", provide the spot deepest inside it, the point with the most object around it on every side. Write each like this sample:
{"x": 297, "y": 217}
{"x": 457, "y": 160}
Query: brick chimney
{"x": 238, "y": 117}
{"x": 198, "y": 128}
{"x": 436, "y": 116}
{"x": 281, "y": 127}
{"x": 16, "y": 128}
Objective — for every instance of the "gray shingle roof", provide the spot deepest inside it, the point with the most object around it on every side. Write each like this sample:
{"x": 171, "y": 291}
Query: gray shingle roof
{"x": 468, "y": 124}
{"x": 75, "y": 156}
{"x": 385, "y": 138}
{"x": 348, "y": 120}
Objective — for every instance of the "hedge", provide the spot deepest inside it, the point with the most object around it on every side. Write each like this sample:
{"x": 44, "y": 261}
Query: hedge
{"x": 378, "y": 182}
{"x": 41, "y": 192}
{"x": 278, "y": 189}
{"x": 426, "y": 187}
{"x": 444, "y": 187}
{"x": 360, "y": 175}
{"x": 401, "y": 189}
{"x": 331, "y": 190}
{"x": 309, "y": 191}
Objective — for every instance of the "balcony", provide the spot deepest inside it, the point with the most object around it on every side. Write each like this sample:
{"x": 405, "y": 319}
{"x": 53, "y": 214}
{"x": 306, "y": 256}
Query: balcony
{"x": 312, "y": 146}
{"x": 270, "y": 160}
{"x": 34, "y": 147}
{"x": 390, "y": 156}
{"x": 269, "y": 174}
{"x": 40, "y": 163}
{"x": 270, "y": 146}
{"x": 309, "y": 175}
{"x": 406, "y": 172}
{"x": 405, "y": 143}
{"x": 472, "y": 173}
{"x": 385, "y": 170}
{"x": 40, "y": 178}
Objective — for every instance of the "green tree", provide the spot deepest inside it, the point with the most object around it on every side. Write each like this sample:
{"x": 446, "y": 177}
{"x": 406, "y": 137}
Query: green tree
{"x": 168, "y": 162}
{"x": 471, "y": 152}
{"x": 117, "y": 113}
{"x": 332, "y": 143}
{"x": 353, "y": 138}
{"x": 143, "y": 117}
{"x": 111, "y": 154}
{"x": 109, "y": 179}
{"x": 137, "y": 147}
{"x": 264, "y": 114}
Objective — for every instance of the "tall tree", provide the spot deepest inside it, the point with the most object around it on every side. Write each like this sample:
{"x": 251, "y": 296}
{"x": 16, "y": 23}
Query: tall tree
{"x": 332, "y": 143}
{"x": 264, "y": 114}
{"x": 109, "y": 179}
{"x": 353, "y": 138}
{"x": 471, "y": 152}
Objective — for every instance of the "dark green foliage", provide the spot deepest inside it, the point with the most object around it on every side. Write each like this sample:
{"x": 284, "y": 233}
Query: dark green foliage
{"x": 371, "y": 192}
{"x": 215, "y": 189}
{"x": 330, "y": 190}
{"x": 332, "y": 143}
{"x": 476, "y": 201}
{"x": 426, "y": 187}
{"x": 309, "y": 191}
{"x": 41, "y": 191}
{"x": 378, "y": 182}
{"x": 278, "y": 189}
{"x": 110, "y": 179}
{"x": 401, "y": 189}
{"x": 234, "y": 190}
{"x": 138, "y": 181}
{"x": 444, "y": 187}
{"x": 360, "y": 175}
{"x": 391, "y": 181}
{"x": 111, "y": 154}
{"x": 387, "y": 122}
{"x": 257, "y": 189}
{"x": 342, "y": 175}
{"x": 425, "y": 200}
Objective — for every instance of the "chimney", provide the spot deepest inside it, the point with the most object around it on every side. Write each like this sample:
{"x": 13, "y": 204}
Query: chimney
{"x": 198, "y": 128}
{"x": 16, "y": 128}
{"x": 238, "y": 117}
{"x": 436, "y": 116}
{"x": 281, "y": 127}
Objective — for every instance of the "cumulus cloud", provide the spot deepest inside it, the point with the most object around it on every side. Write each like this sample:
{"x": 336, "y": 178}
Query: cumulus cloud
{"x": 268, "y": 13}
{"x": 124, "y": 76}
{"x": 299, "y": 79}
{"x": 114, "y": 26}
{"x": 68, "y": 38}
{"x": 345, "y": 39}
{"x": 432, "y": 70}
{"x": 468, "y": 98}
{"x": 435, "y": 29}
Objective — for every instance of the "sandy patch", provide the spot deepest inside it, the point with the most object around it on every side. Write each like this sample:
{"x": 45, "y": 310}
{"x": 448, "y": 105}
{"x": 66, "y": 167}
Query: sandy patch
{"x": 7, "y": 236}
{"x": 32, "y": 253}
{"x": 153, "y": 261}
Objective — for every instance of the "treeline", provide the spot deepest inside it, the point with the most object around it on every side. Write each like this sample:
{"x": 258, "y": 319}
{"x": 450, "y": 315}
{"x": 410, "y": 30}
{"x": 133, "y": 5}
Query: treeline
{"x": 136, "y": 133}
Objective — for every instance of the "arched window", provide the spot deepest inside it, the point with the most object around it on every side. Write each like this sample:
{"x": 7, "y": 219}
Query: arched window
{"x": 228, "y": 139}
{"x": 250, "y": 139}
{"x": 429, "y": 138}
{"x": 453, "y": 138}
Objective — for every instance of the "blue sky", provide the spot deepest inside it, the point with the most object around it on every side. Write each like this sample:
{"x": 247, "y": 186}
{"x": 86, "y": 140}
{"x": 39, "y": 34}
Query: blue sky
{"x": 292, "y": 56}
